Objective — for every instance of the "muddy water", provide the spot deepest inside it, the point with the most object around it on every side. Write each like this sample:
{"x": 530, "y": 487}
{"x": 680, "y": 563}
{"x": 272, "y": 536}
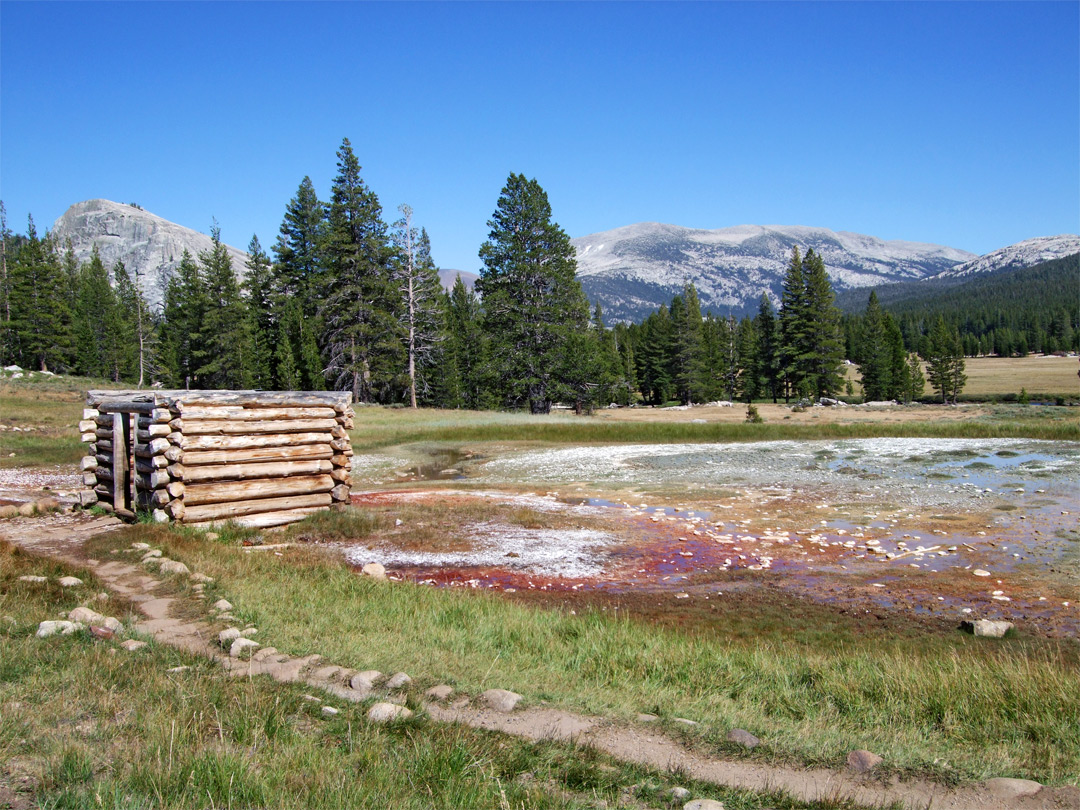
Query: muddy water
{"x": 956, "y": 529}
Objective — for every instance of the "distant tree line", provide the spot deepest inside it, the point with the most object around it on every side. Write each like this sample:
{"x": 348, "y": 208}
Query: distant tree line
{"x": 348, "y": 302}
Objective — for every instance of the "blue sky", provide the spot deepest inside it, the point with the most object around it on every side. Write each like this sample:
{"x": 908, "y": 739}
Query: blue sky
{"x": 955, "y": 123}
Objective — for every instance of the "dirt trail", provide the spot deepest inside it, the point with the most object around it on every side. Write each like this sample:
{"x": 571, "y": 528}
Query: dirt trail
{"x": 63, "y": 537}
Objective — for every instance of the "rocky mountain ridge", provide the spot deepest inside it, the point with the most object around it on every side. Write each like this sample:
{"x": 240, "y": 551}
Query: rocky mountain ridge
{"x": 1028, "y": 253}
{"x": 633, "y": 269}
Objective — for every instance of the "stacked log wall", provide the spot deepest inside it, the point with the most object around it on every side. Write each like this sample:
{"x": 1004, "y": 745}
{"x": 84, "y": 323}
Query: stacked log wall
{"x": 260, "y": 458}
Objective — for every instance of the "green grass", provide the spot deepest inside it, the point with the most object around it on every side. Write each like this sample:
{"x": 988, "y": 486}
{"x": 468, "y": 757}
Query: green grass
{"x": 86, "y": 725}
{"x": 952, "y": 706}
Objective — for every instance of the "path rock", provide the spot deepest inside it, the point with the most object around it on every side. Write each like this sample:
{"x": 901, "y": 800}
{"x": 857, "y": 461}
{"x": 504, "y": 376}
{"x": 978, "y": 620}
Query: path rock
{"x": 365, "y": 680}
{"x": 863, "y": 761}
{"x": 140, "y": 546}
{"x": 222, "y": 605}
{"x": 173, "y": 567}
{"x": 985, "y": 628}
{"x": 1005, "y": 789}
{"x": 981, "y": 572}
{"x": 8, "y": 511}
{"x": 27, "y": 509}
{"x": 743, "y": 737}
{"x": 329, "y": 711}
{"x": 500, "y": 700}
{"x": 131, "y": 645}
{"x": 647, "y": 718}
{"x": 32, "y": 578}
{"x": 64, "y": 628}
{"x": 703, "y": 804}
{"x": 152, "y": 554}
{"x": 85, "y": 615}
{"x": 440, "y": 692}
{"x": 70, "y": 582}
{"x": 685, "y": 722}
{"x": 387, "y": 713}
{"x": 679, "y": 794}
{"x": 228, "y": 636}
{"x": 240, "y": 644}
{"x": 374, "y": 570}
{"x": 202, "y": 579}
{"x": 398, "y": 680}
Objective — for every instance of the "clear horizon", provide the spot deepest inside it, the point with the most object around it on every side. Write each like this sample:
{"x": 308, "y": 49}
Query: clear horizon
{"x": 955, "y": 124}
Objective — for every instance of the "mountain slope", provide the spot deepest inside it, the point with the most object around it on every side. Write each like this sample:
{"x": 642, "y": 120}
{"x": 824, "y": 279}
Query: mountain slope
{"x": 1028, "y": 253}
{"x": 634, "y": 269}
{"x": 145, "y": 242}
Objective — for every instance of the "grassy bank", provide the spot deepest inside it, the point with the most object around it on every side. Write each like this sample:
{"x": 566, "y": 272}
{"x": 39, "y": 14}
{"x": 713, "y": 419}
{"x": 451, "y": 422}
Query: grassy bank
{"x": 84, "y": 724}
{"x": 950, "y": 706}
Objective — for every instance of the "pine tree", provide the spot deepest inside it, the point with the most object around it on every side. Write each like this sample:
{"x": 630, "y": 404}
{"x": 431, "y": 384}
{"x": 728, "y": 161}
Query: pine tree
{"x": 296, "y": 271}
{"x": 654, "y": 357}
{"x": 533, "y": 302}
{"x": 258, "y": 291}
{"x": 361, "y": 328}
{"x": 7, "y": 333}
{"x": 915, "y": 382}
{"x": 185, "y": 305}
{"x": 41, "y": 320}
{"x": 97, "y": 320}
{"x": 226, "y": 327}
{"x": 749, "y": 360}
{"x": 872, "y": 354}
{"x": 689, "y": 354}
{"x": 418, "y": 280}
{"x": 824, "y": 350}
{"x": 768, "y": 333}
{"x": 945, "y": 361}
{"x": 793, "y": 324}
{"x": 468, "y": 349}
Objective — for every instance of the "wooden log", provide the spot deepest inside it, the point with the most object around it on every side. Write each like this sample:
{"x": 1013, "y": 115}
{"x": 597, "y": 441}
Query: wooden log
{"x": 176, "y": 489}
{"x": 206, "y": 427}
{"x": 154, "y": 432}
{"x": 173, "y": 454}
{"x": 89, "y": 413}
{"x": 233, "y": 509}
{"x": 149, "y": 450}
{"x": 155, "y": 480}
{"x": 158, "y": 446}
{"x": 121, "y": 431}
{"x": 161, "y": 415}
{"x": 102, "y": 420}
{"x": 102, "y": 446}
{"x": 241, "y": 472}
{"x": 125, "y": 406}
{"x": 340, "y": 474}
{"x": 197, "y": 494}
{"x": 305, "y": 452}
{"x": 104, "y": 505}
{"x": 176, "y": 510}
{"x": 340, "y": 492}
{"x": 160, "y": 497}
{"x": 183, "y": 400}
{"x": 87, "y": 437}
{"x": 247, "y": 442}
{"x": 87, "y": 425}
{"x": 239, "y": 413}
{"x": 104, "y": 492}
{"x": 267, "y": 520}
{"x": 88, "y": 463}
{"x": 343, "y": 461}
{"x": 176, "y": 424}
{"x": 89, "y": 479}
{"x": 175, "y": 437}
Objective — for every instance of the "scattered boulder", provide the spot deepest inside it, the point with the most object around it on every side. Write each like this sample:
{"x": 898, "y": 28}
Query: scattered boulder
{"x": 743, "y": 738}
{"x": 70, "y": 582}
{"x": 9, "y": 511}
{"x": 679, "y": 794}
{"x": 365, "y": 680}
{"x": 387, "y": 713}
{"x": 131, "y": 645}
{"x": 863, "y": 761}
{"x": 222, "y": 605}
{"x": 86, "y": 616}
{"x": 440, "y": 692}
{"x": 374, "y": 570}
{"x": 239, "y": 645}
{"x": 397, "y": 681}
{"x": 63, "y": 628}
{"x": 500, "y": 700}
{"x": 986, "y": 628}
{"x": 27, "y": 509}
{"x": 173, "y": 567}
{"x": 1004, "y": 788}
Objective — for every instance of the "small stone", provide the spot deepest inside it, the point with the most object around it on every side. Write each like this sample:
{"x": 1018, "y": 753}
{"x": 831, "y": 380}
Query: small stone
{"x": 985, "y": 628}
{"x": 685, "y": 722}
{"x": 387, "y": 713}
{"x": 365, "y": 680}
{"x": 64, "y": 628}
{"x": 140, "y": 546}
{"x": 240, "y": 645}
{"x": 222, "y": 605}
{"x": 70, "y": 582}
{"x": 177, "y": 670}
{"x": 500, "y": 700}
{"x": 85, "y": 615}
{"x": 8, "y": 511}
{"x": 679, "y": 794}
{"x": 152, "y": 554}
{"x": 980, "y": 572}
{"x": 703, "y": 804}
{"x": 227, "y": 636}
{"x": 248, "y": 632}
{"x": 173, "y": 567}
{"x": 131, "y": 645}
{"x": 1004, "y": 788}
{"x": 212, "y": 536}
{"x": 743, "y": 738}
{"x": 374, "y": 570}
{"x": 201, "y": 578}
{"x": 440, "y": 692}
{"x": 32, "y": 578}
{"x": 647, "y": 718}
{"x": 26, "y": 509}
{"x": 862, "y": 761}
{"x": 398, "y": 680}
{"x": 112, "y": 623}
{"x": 329, "y": 711}
{"x": 102, "y": 633}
